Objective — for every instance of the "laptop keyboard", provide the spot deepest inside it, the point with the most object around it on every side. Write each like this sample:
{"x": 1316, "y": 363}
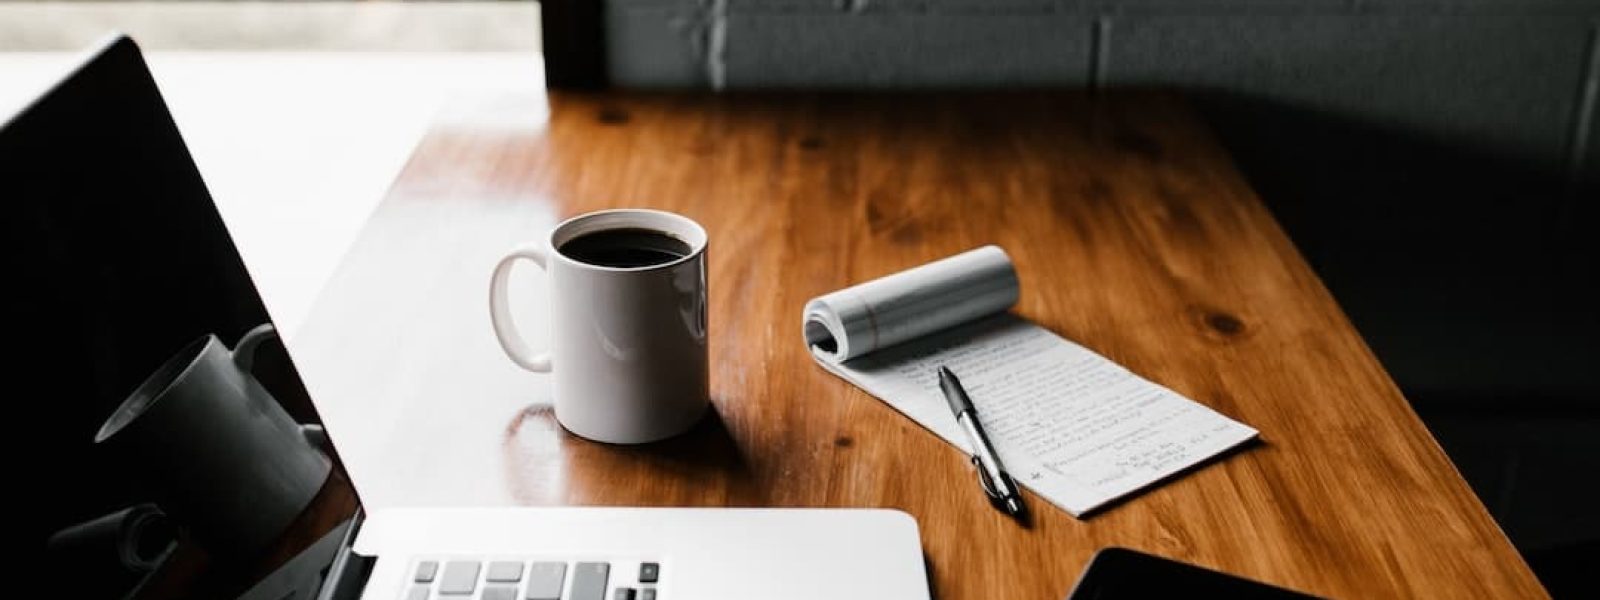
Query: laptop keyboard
{"x": 502, "y": 579}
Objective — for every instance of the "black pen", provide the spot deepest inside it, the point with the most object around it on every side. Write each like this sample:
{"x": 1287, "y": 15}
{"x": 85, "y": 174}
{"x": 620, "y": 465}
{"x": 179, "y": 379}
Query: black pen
{"x": 998, "y": 485}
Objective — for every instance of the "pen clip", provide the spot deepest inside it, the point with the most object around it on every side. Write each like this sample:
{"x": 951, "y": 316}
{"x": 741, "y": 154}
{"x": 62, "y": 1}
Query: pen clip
{"x": 984, "y": 480}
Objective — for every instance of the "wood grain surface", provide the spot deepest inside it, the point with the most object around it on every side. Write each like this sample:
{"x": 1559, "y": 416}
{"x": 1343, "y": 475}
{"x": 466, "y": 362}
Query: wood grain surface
{"x": 1131, "y": 230}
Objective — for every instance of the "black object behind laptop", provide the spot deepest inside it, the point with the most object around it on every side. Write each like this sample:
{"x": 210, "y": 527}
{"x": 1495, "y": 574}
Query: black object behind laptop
{"x": 1116, "y": 573}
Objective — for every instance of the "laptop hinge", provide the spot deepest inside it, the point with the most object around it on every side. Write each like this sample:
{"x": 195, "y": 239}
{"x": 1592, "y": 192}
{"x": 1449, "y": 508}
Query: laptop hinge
{"x": 347, "y": 577}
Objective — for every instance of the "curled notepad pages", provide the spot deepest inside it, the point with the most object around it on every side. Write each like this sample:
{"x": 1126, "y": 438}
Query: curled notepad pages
{"x": 907, "y": 305}
{"x": 1071, "y": 425}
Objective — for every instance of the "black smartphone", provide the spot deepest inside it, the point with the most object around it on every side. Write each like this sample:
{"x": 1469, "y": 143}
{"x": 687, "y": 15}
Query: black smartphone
{"x": 1115, "y": 573}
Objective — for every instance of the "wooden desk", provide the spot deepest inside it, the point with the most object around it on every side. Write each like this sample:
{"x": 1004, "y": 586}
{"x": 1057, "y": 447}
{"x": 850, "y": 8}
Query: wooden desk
{"x": 1133, "y": 235}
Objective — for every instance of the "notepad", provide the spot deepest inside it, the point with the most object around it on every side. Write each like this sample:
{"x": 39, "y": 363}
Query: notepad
{"x": 1073, "y": 426}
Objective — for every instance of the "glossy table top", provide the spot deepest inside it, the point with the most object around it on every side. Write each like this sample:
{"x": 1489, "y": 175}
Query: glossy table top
{"x": 1132, "y": 232}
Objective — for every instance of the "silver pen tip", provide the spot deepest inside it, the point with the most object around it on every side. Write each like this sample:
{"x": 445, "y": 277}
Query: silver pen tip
{"x": 1013, "y": 506}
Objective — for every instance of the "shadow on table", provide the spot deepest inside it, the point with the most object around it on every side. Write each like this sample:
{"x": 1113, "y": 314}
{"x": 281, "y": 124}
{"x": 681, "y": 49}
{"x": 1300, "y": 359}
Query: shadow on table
{"x": 1473, "y": 274}
{"x": 1528, "y": 457}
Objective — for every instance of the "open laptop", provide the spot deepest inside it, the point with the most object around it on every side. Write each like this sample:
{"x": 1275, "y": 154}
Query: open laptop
{"x": 117, "y": 259}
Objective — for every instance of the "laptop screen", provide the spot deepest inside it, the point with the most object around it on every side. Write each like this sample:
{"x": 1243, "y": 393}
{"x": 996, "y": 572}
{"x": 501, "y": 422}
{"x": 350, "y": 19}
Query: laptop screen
{"x": 166, "y": 445}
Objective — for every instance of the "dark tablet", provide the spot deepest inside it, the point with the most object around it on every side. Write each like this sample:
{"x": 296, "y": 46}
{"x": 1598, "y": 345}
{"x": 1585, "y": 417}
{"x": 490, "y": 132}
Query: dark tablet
{"x": 1116, "y": 573}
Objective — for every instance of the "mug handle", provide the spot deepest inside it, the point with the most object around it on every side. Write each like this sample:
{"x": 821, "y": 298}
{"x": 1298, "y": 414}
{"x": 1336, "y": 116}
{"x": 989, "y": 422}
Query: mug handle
{"x": 244, "y": 352}
{"x": 500, "y": 315}
{"x": 244, "y": 357}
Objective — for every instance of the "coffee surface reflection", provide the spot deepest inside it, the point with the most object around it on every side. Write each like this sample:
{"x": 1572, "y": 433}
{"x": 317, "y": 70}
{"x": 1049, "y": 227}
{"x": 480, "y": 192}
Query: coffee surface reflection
{"x": 625, "y": 248}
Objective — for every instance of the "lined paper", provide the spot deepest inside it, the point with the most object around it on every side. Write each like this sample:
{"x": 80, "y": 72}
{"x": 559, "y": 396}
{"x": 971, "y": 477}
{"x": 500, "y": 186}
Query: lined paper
{"x": 1077, "y": 428}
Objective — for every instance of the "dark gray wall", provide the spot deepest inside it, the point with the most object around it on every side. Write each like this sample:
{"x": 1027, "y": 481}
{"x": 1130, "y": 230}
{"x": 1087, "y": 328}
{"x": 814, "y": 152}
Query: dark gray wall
{"x": 1503, "y": 74}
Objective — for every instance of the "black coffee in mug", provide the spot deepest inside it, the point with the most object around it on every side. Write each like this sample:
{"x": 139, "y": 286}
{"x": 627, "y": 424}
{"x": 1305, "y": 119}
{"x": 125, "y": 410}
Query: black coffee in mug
{"x": 625, "y": 248}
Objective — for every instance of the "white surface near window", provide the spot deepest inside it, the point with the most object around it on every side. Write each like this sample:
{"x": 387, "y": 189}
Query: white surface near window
{"x": 417, "y": 26}
{"x": 299, "y": 147}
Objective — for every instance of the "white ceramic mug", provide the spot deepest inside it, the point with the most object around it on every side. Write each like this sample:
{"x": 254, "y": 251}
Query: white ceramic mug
{"x": 628, "y": 344}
